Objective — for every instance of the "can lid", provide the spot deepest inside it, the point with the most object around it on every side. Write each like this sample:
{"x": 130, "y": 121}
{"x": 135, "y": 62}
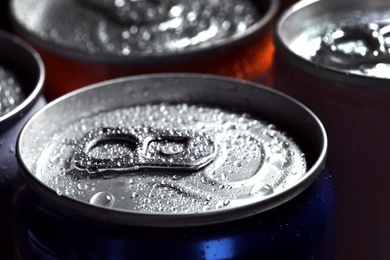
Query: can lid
{"x": 349, "y": 36}
{"x": 129, "y": 31}
{"x": 11, "y": 91}
{"x": 177, "y": 159}
{"x": 22, "y": 75}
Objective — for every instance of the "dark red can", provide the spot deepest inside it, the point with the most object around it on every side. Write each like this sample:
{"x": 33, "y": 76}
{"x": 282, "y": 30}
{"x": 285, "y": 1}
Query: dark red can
{"x": 83, "y": 42}
{"x": 334, "y": 57}
{"x": 21, "y": 82}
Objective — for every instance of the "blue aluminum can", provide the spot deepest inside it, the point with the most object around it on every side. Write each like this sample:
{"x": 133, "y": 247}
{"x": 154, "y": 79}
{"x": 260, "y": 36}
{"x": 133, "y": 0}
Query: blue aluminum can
{"x": 21, "y": 81}
{"x": 174, "y": 166}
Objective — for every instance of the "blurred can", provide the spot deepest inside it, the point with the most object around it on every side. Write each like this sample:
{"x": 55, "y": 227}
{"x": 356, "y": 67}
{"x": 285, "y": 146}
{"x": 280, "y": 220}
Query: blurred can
{"x": 287, "y": 3}
{"x": 174, "y": 166}
{"x": 84, "y": 42}
{"x": 4, "y": 15}
{"x": 334, "y": 57}
{"x": 21, "y": 82}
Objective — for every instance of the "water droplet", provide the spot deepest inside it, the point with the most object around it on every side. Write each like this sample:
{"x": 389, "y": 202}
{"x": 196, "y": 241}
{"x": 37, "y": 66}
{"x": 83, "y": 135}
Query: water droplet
{"x": 82, "y": 186}
{"x": 237, "y": 164}
{"x": 221, "y": 186}
{"x": 176, "y": 177}
{"x": 261, "y": 189}
{"x": 135, "y": 195}
{"x": 102, "y": 198}
{"x": 11, "y": 94}
{"x": 54, "y": 160}
{"x": 278, "y": 161}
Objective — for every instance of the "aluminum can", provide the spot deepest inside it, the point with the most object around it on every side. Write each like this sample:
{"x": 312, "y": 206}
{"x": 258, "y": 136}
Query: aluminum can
{"x": 334, "y": 56}
{"x": 21, "y": 81}
{"x": 83, "y": 42}
{"x": 174, "y": 166}
{"x": 4, "y": 15}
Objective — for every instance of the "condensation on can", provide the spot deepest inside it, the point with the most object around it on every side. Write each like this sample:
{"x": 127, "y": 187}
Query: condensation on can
{"x": 333, "y": 56}
{"x": 246, "y": 53}
{"x": 189, "y": 164}
{"x": 21, "y": 82}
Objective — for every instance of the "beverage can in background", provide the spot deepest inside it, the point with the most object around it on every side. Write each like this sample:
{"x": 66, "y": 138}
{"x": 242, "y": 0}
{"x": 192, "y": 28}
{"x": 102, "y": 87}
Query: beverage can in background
{"x": 334, "y": 57}
{"x": 287, "y": 3}
{"x": 21, "y": 82}
{"x": 174, "y": 165}
{"x": 4, "y": 15}
{"x": 83, "y": 42}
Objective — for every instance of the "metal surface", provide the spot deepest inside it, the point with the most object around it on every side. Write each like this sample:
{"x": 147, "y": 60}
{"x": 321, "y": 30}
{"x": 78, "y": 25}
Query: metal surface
{"x": 140, "y": 32}
{"x": 154, "y": 149}
{"x": 54, "y": 130}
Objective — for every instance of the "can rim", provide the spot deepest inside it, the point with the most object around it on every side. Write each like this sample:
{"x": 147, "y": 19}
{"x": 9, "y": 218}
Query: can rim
{"x": 316, "y": 68}
{"x": 38, "y": 88}
{"x": 168, "y": 219}
{"x": 218, "y": 46}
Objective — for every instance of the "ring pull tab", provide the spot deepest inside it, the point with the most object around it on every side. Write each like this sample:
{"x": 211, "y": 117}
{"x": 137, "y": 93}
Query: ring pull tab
{"x": 140, "y": 148}
{"x": 356, "y": 45}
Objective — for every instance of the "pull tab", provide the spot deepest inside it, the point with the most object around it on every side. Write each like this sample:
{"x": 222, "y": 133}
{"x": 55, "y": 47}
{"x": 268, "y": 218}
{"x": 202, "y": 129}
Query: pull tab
{"x": 122, "y": 149}
{"x": 356, "y": 45}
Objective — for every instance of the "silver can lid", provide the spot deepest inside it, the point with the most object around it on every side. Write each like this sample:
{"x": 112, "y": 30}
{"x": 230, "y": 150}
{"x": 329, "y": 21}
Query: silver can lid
{"x": 348, "y": 36}
{"x": 22, "y": 76}
{"x": 177, "y": 158}
{"x": 11, "y": 92}
{"x": 128, "y": 31}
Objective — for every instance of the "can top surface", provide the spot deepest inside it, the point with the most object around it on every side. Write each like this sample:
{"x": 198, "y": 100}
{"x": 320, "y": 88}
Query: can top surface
{"x": 22, "y": 76}
{"x": 351, "y": 37}
{"x": 11, "y": 92}
{"x": 129, "y": 31}
{"x": 172, "y": 150}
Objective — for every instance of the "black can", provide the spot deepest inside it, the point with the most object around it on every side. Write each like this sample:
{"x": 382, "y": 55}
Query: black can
{"x": 21, "y": 81}
{"x": 173, "y": 166}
